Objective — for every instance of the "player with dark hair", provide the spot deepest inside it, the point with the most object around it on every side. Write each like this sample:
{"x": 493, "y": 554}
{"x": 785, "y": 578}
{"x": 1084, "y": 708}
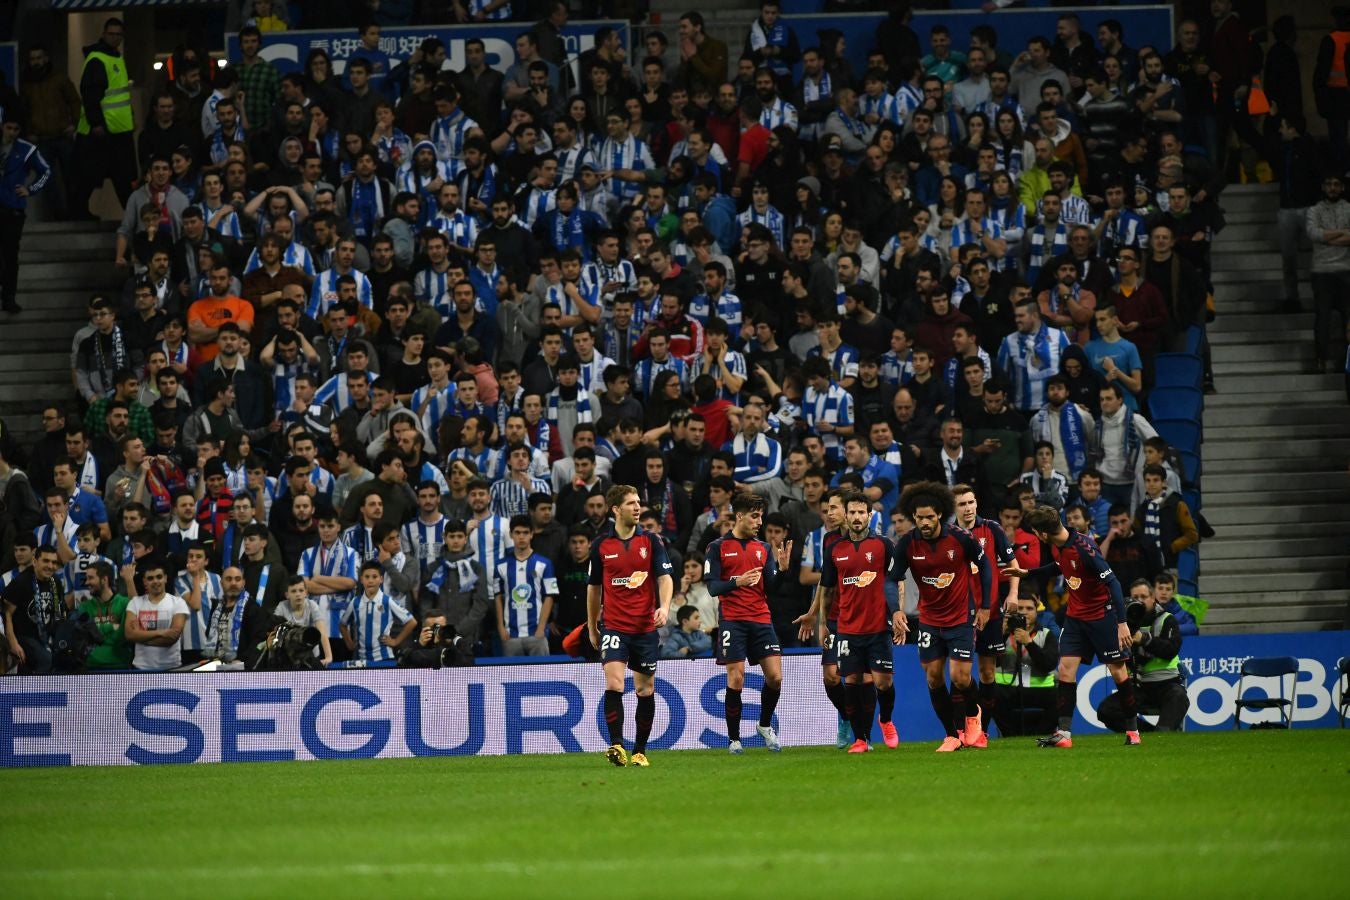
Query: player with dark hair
{"x": 631, "y": 583}
{"x": 1096, "y": 602}
{"x": 990, "y": 641}
{"x": 943, "y": 557}
{"x": 820, "y": 620}
{"x": 737, "y": 570}
{"x": 855, "y": 569}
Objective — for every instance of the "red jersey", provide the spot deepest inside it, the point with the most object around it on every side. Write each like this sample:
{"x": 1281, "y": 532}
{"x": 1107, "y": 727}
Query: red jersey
{"x": 995, "y": 545}
{"x": 942, "y": 568}
{"x": 828, "y": 540}
{"x": 627, "y": 572}
{"x": 857, "y": 569}
{"x": 729, "y": 557}
{"x": 1026, "y": 549}
{"x": 1093, "y": 588}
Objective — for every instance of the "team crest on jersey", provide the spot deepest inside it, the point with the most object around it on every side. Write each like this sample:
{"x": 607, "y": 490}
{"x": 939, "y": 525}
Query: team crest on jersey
{"x": 1073, "y": 564}
{"x": 942, "y": 581}
{"x": 632, "y": 582}
{"x": 642, "y": 551}
{"x": 867, "y": 554}
{"x": 862, "y": 579}
{"x": 982, "y": 540}
{"x": 759, "y": 555}
{"x": 951, "y": 554}
{"x": 1073, "y": 583}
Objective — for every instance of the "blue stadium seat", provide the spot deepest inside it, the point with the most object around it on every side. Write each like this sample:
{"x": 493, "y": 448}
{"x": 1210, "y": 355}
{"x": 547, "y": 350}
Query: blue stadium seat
{"x": 1183, "y": 434}
{"x": 1177, "y": 370}
{"x": 1193, "y": 338}
{"x": 1191, "y": 468}
{"x": 1188, "y": 566}
{"x": 1176, "y": 403}
{"x": 1188, "y": 588}
{"x": 1192, "y": 498}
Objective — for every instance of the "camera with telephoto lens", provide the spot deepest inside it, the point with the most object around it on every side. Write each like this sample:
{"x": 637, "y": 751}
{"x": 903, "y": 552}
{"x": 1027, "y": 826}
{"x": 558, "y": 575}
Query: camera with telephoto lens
{"x": 1015, "y": 621}
{"x": 445, "y": 649}
{"x": 289, "y": 647}
{"x": 1136, "y": 614}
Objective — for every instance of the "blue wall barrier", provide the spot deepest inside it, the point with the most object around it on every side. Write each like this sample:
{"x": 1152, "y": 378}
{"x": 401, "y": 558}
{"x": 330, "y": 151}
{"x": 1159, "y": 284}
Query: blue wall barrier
{"x": 1143, "y": 25}
{"x": 146, "y": 719}
{"x": 287, "y": 49}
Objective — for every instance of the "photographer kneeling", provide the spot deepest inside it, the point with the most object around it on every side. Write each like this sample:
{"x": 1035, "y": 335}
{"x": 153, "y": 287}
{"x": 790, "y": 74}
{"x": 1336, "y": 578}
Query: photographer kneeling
{"x": 437, "y": 645}
{"x": 1156, "y": 638}
{"x": 1024, "y": 684}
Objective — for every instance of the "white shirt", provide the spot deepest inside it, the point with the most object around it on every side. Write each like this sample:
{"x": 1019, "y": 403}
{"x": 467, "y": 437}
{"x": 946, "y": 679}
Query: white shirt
{"x": 157, "y": 617}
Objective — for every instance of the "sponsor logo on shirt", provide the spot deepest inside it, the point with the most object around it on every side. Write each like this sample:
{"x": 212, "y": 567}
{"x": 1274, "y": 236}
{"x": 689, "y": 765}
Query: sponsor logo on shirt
{"x": 1073, "y": 583}
{"x": 941, "y": 581}
{"x": 862, "y": 579}
{"x": 632, "y": 582}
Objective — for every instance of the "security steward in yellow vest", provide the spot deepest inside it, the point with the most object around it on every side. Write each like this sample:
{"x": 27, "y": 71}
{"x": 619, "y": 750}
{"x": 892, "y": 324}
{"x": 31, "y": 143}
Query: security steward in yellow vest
{"x": 105, "y": 136}
{"x": 1024, "y": 682}
{"x": 1159, "y": 687}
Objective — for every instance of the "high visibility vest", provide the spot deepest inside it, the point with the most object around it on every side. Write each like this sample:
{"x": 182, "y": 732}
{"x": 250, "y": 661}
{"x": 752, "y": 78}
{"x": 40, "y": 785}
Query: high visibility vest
{"x": 116, "y": 101}
{"x": 1007, "y": 671}
{"x": 1336, "y": 75}
{"x": 1159, "y": 669}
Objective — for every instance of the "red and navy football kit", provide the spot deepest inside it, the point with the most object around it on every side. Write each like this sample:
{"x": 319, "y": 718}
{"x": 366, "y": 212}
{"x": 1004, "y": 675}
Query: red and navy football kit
{"x": 1096, "y": 602}
{"x": 990, "y": 640}
{"x": 858, "y": 570}
{"x": 627, "y": 573}
{"x": 943, "y": 570}
{"x": 744, "y": 626}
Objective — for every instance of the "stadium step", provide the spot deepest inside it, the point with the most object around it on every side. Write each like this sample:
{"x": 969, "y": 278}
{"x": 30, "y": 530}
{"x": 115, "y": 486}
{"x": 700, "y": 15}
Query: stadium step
{"x": 1276, "y": 442}
{"x": 1277, "y": 544}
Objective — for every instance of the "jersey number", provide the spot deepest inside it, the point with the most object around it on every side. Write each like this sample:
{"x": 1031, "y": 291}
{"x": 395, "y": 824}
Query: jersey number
{"x": 842, "y": 647}
{"x": 609, "y": 642}
{"x": 726, "y": 640}
{"x": 925, "y": 638}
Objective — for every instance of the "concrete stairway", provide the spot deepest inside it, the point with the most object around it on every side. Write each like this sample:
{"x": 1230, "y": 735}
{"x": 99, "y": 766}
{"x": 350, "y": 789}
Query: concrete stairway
{"x": 1277, "y": 442}
{"x": 60, "y": 265}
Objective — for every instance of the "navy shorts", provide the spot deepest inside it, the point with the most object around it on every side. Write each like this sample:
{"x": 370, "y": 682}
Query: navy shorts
{"x": 1082, "y": 638}
{"x": 945, "y": 643}
{"x": 828, "y": 656}
{"x": 734, "y": 641}
{"x": 640, "y": 651}
{"x": 990, "y": 640}
{"x": 864, "y": 653}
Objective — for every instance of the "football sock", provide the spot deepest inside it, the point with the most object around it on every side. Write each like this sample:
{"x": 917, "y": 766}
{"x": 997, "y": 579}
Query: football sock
{"x": 1066, "y": 700}
{"x": 768, "y": 702}
{"x": 646, "y": 712}
{"x": 733, "y": 714}
{"x": 836, "y": 694}
{"x": 856, "y": 706}
{"x": 958, "y": 710}
{"x": 987, "y": 704}
{"x": 972, "y": 705}
{"x": 886, "y": 701}
{"x": 942, "y": 705}
{"x": 1129, "y": 704}
{"x": 614, "y": 715}
{"x": 869, "y": 712}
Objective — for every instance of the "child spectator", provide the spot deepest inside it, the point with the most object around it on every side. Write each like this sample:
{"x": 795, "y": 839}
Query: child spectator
{"x": 689, "y": 640}
{"x": 1049, "y": 486}
{"x": 298, "y": 609}
{"x": 368, "y": 624}
{"x": 1164, "y": 594}
{"x": 1164, "y": 518}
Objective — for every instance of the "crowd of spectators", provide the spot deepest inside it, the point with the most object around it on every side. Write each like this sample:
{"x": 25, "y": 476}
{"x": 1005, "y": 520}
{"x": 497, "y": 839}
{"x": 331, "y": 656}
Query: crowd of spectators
{"x": 387, "y": 336}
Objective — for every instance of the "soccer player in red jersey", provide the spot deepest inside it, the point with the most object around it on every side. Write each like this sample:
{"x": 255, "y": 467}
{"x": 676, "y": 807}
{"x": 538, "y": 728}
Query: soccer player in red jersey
{"x": 737, "y": 569}
{"x": 855, "y": 570}
{"x": 631, "y": 584}
{"x": 1096, "y": 604}
{"x": 819, "y": 620}
{"x": 990, "y": 641}
{"x": 944, "y": 559}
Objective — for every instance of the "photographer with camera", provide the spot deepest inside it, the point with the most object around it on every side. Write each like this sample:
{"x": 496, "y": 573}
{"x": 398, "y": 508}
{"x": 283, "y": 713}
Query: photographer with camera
{"x": 438, "y": 645}
{"x": 1025, "y": 681}
{"x": 1156, "y": 639}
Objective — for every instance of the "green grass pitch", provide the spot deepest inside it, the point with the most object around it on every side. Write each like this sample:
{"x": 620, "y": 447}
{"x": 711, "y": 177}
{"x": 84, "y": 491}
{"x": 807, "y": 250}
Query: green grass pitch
{"x": 1255, "y": 814}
